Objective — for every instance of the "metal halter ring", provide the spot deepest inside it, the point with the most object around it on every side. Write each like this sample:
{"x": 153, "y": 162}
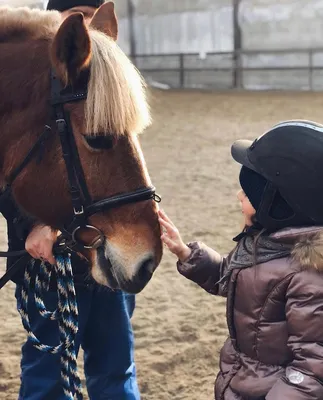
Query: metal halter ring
{"x": 97, "y": 243}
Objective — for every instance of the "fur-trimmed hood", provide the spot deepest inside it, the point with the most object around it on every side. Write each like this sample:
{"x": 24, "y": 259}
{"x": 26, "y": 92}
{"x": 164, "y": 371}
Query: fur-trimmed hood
{"x": 307, "y": 250}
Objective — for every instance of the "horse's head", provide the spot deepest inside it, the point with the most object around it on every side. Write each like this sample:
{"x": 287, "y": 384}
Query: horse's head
{"x": 104, "y": 125}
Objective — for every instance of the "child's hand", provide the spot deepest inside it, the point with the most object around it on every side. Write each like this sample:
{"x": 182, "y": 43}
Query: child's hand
{"x": 172, "y": 238}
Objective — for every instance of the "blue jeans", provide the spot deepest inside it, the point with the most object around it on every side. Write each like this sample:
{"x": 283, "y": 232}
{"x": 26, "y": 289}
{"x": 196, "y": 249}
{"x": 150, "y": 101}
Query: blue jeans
{"x": 106, "y": 336}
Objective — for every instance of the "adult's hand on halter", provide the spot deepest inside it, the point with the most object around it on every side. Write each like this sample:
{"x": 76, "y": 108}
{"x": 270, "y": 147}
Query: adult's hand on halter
{"x": 172, "y": 238}
{"x": 40, "y": 242}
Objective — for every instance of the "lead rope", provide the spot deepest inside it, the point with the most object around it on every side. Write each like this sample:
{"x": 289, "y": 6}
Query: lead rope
{"x": 66, "y": 314}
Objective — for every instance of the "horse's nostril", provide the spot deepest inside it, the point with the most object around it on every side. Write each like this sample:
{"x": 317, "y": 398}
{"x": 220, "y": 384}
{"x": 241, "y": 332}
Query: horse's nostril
{"x": 142, "y": 273}
{"x": 145, "y": 269}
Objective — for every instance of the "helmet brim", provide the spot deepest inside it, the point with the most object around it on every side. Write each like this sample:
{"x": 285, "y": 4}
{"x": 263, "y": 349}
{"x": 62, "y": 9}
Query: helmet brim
{"x": 239, "y": 152}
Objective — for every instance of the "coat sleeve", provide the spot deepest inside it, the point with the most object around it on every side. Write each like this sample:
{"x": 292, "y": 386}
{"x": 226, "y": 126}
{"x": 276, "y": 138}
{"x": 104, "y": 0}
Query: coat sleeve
{"x": 304, "y": 311}
{"x": 205, "y": 267}
{"x": 19, "y": 225}
{"x": 8, "y": 207}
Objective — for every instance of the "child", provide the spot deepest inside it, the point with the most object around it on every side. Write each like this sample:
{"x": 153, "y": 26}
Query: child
{"x": 273, "y": 279}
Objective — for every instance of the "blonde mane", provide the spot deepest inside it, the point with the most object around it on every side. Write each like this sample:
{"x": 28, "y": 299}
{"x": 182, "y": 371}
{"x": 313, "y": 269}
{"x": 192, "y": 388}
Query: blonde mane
{"x": 116, "y": 94}
{"x": 116, "y": 100}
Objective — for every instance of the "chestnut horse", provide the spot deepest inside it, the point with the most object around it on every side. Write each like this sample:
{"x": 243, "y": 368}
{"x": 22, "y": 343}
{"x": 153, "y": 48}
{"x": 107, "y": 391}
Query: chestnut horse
{"x": 105, "y": 125}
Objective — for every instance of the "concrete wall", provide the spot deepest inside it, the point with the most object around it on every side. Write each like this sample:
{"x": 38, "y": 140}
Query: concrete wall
{"x": 206, "y": 26}
{"x": 268, "y": 24}
{"x": 283, "y": 24}
{"x": 178, "y": 26}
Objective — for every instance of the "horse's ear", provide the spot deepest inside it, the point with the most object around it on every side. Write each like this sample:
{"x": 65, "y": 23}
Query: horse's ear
{"x": 105, "y": 20}
{"x": 71, "y": 49}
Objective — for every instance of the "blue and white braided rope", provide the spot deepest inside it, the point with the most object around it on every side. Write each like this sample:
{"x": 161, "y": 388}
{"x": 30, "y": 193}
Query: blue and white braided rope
{"x": 66, "y": 314}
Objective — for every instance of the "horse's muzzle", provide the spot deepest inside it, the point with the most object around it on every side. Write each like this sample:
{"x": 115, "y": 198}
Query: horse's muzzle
{"x": 128, "y": 279}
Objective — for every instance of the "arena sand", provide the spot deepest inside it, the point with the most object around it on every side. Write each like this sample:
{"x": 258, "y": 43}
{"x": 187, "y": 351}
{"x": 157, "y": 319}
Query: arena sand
{"x": 180, "y": 328}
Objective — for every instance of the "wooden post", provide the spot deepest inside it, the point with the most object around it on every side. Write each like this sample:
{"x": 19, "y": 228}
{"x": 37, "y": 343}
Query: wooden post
{"x": 237, "y": 46}
{"x": 132, "y": 35}
{"x": 310, "y": 67}
{"x": 181, "y": 71}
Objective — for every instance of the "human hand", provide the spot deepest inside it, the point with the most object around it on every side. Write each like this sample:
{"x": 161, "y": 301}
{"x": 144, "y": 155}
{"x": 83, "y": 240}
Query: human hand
{"x": 39, "y": 243}
{"x": 172, "y": 238}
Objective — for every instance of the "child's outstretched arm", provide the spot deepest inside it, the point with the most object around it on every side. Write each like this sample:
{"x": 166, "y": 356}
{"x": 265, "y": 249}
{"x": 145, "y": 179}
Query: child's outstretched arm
{"x": 304, "y": 314}
{"x": 196, "y": 261}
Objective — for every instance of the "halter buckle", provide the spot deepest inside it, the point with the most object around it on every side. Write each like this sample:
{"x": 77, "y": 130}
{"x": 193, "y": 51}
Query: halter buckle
{"x": 78, "y": 212}
{"x": 61, "y": 125}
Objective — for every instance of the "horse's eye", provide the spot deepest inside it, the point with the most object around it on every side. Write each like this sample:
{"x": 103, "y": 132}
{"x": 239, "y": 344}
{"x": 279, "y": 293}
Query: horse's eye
{"x": 101, "y": 142}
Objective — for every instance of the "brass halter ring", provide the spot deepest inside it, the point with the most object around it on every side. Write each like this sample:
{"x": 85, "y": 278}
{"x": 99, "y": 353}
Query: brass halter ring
{"x": 97, "y": 242}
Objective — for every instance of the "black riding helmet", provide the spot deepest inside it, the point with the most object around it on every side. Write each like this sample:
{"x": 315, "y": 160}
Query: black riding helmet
{"x": 62, "y": 5}
{"x": 290, "y": 158}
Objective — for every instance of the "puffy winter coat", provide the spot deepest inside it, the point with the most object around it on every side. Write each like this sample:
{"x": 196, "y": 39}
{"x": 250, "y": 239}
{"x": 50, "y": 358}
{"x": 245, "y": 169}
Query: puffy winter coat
{"x": 274, "y": 316}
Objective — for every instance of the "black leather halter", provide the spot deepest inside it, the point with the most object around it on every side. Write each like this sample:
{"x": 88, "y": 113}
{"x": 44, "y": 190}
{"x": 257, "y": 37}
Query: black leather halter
{"x": 83, "y": 205}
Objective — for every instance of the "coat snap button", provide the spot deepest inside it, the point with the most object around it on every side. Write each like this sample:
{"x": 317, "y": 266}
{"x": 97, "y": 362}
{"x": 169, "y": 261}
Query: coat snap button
{"x": 295, "y": 377}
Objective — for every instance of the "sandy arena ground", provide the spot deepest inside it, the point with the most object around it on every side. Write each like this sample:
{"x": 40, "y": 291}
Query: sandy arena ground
{"x": 179, "y": 328}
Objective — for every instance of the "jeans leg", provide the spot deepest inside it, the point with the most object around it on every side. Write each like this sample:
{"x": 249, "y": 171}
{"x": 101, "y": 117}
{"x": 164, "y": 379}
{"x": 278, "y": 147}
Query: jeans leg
{"x": 108, "y": 345}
